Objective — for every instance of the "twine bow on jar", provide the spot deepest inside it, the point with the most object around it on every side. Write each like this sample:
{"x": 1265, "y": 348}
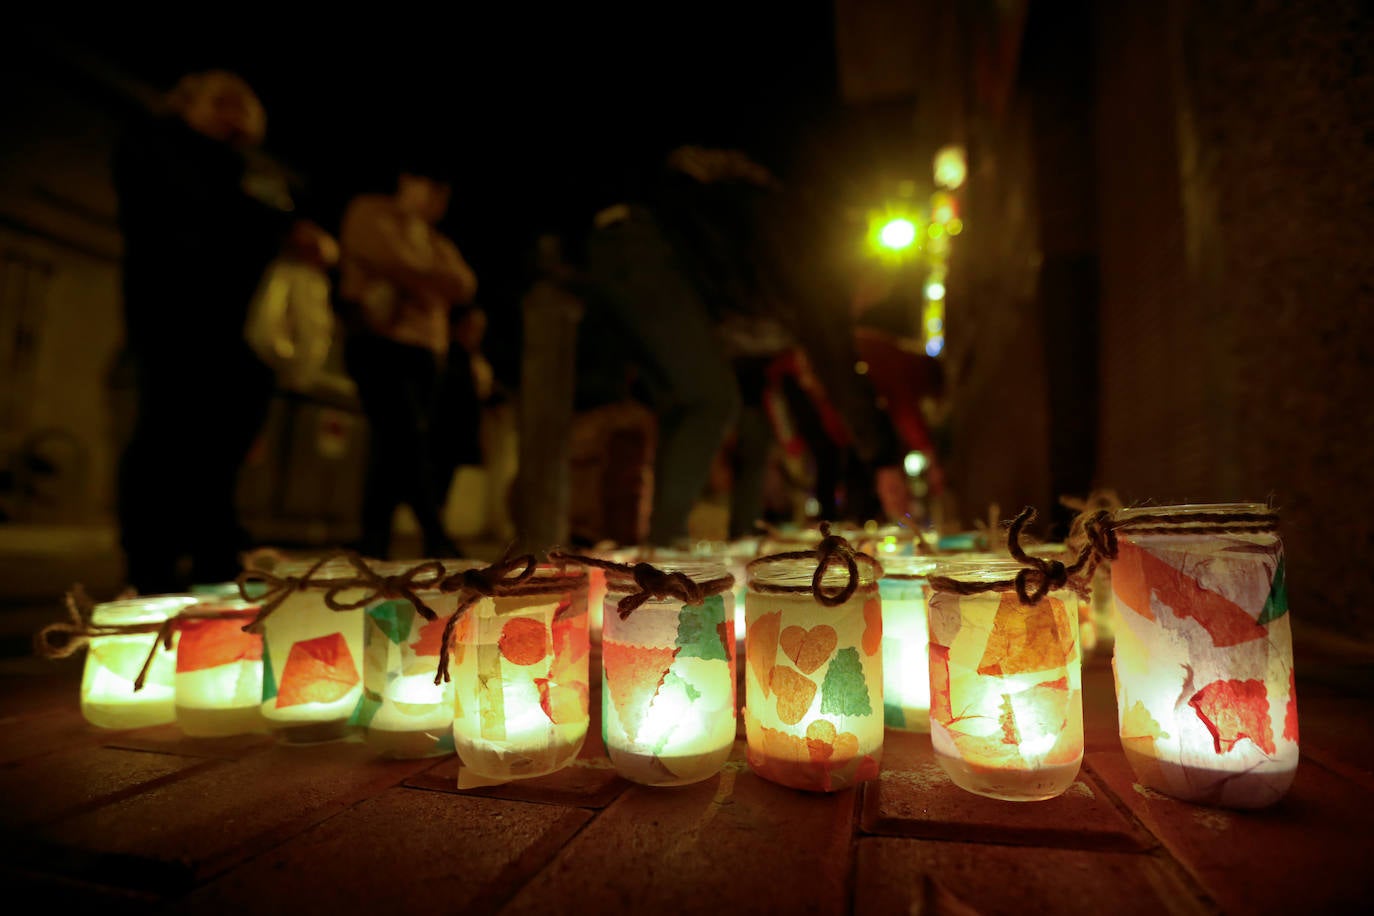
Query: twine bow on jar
{"x": 500, "y": 578}
{"x": 407, "y": 584}
{"x": 650, "y": 582}
{"x": 279, "y": 588}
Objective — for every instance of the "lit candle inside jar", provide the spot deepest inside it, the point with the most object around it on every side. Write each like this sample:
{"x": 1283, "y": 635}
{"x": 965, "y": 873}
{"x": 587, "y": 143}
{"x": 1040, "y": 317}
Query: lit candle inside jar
{"x": 518, "y": 663}
{"x": 219, "y": 670}
{"x": 1006, "y": 714}
{"x": 814, "y": 675}
{"x": 906, "y": 670}
{"x": 312, "y": 686}
{"x": 114, "y": 661}
{"x": 668, "y": 688}
{"x": 404, "y": 713}
{"x": 1203, "y": 659}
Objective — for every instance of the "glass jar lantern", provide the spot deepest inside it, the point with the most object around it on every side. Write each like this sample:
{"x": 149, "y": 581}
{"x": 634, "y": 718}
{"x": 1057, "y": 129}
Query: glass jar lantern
{"x": 668, "y": 682}
{"x": 519, "y": 666}
{"x": 312, "y": 684}
{"x": 404, "y": 713}
{"x": 219, "y": 670}
{"x": 113, "y": 663}
{"x": 813, "y": 677}
{"x": 906, "y": 670}
{"x": 1006, "y": 711}
{"x": 1206, "y": 696}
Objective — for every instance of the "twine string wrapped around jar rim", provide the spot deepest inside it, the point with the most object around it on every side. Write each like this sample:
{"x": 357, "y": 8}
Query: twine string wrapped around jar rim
{"x": 1039, "y": 575}
{"x": 67, "y": 637}
{"x": 832, "y": 550}
{"x": 279, "y": 588}
{"x": 650, "y": 582}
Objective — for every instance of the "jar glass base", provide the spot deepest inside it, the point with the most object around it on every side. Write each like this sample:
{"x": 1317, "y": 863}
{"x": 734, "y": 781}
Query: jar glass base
{"x": 651, "y": 770}
{"x": 129, "y": 715}
{"x": 312, "y": 732}
{"x": 491, "y": 763}
{"x": 1010, "y": 785}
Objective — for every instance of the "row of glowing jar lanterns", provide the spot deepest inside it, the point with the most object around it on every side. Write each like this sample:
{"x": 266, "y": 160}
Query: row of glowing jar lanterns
{"x": 1202, "y": 659}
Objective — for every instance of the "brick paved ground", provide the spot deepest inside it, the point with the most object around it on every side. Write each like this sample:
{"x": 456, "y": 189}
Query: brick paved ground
{"x": 150, "y": 821}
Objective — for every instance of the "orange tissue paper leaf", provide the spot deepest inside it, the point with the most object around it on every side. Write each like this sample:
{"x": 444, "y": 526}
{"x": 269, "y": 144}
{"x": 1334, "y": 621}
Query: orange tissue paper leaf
{"x": 634, "y": 675}
{"x": 564, "y": 704}
{"x": 761, "y": 650}
{"x": 795, "y": 693}
{"x": 1023, "y": 639}
{"x": 1233, "y": 710}
{"x": 873, "y": 626}
{"x": 809, "y": 649}
{"x": 524, "y": 641}
{"x": 1225, "y": 621}
{"x": 319, "y": 670}
{"x": 431, "y": 635}
{"x": 820, "y": 740}
{"x": 940, "y": 707}
{"x": 211, "y": 643}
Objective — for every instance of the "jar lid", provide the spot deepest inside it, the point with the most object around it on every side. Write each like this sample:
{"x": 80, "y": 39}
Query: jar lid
{"x": 1190, "y": 511}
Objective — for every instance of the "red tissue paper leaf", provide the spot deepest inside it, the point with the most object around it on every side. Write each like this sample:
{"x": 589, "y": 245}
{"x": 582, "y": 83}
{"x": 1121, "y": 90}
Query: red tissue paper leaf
{"x": 1233, "y": 710}
{"x": 431, "y": 637}
{"x": 523, "y": 641}
{"x": 319, "y": 670}
{"x": 1290, "y": 716}
{"x": 634, "y": 675}
{"x": 211, "y": 643}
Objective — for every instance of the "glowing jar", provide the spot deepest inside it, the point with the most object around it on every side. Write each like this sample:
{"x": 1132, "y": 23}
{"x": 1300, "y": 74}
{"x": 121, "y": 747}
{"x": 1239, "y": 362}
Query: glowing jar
{"x": 312, "y": 682}
{"x": 668, "y": 682}
{"x": 519, "y": 669}
{"x": 219, "y": 670}
{"x": 906, "y": 672}
{"x": 403, "y": 712}
{"x": 1204, "y": 653}
{"x": 813, "y": 680}
{"x": 1006, "y": 705}
{"x": 113, "y": 662}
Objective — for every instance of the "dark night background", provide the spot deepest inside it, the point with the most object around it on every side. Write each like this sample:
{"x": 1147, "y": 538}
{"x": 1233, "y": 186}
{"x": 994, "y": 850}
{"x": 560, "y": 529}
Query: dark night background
{"x": 539, "y": 116}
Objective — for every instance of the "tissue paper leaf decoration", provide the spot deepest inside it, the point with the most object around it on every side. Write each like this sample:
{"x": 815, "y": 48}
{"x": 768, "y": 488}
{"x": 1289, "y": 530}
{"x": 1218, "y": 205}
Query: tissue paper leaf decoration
{"x": 1147, "y": 577}
{"x": 808, "y": 649}
{"x": 795, "y": 693}
{"x": 844, "y": 692}
{"x": 762, "y": 648}
{"x": 633, "y": 676}
{"x": 524, "y": 641}
{"x": 1038, "y": 638}
{"x": 873, "y": 626}
{"x": 319, "y": 670}
{"x": 393, "y": 618}
{"x": 698, "y": 633}
{"x": 1233, "y": 710}
{"x": 431, "y": 637}
{"x": 211, "y": 643}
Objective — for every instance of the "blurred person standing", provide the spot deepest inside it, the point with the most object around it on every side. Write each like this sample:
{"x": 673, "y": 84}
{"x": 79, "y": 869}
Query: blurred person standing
{"x": 202, "y": 212}
{"x": 401, "y": 278}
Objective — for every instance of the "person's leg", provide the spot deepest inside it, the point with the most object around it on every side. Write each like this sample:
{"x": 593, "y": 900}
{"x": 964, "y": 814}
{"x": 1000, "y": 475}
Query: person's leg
{"x": 752, "y": 441}
{"x": 232, "y": 410}
{"x": 694, "y": 386}
{"x": 151, "y": 485}
{"x": 424, "y": 494}
{"x": 372, "y": 364}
